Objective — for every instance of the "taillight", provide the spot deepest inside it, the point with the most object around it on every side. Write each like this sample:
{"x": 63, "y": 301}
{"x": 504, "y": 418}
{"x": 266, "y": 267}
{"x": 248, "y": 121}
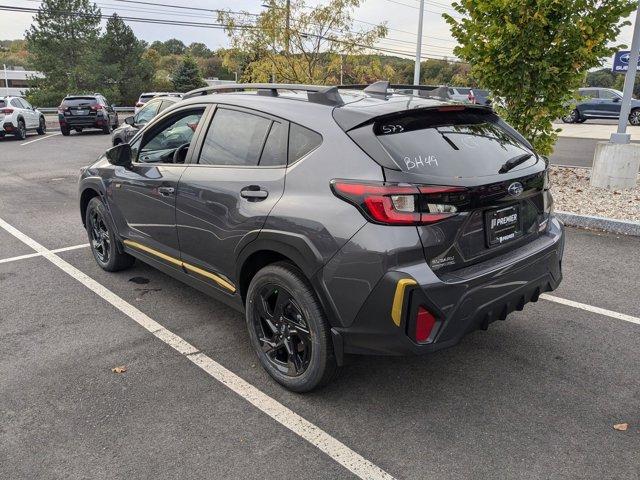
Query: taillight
{"x": 425, "y": 321}
{"x": 96, "y": 107}
{"x": 6, "y": 111}
{"x": 401, "y": 204}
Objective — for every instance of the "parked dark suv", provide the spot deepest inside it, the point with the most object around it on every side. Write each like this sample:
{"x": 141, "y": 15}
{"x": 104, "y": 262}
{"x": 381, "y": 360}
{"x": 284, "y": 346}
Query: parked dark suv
{"x": 132, "y": 124}
{"x": 600, "y": 103}
{"x": 341, "y": 222}
{"x": 78, "y": 112}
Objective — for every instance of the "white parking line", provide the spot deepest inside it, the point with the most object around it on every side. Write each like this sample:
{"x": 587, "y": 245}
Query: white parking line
{"x": 317, "y": 437}
{"x": 48, "y": 135}
{"x": 591, "y": 308}
{"x": 31, "y": 255}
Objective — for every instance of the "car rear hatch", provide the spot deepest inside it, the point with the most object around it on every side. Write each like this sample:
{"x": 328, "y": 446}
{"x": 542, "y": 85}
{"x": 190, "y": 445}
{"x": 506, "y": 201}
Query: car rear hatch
{"x": 481, "y": 189}
{"x": 80, "y": 110}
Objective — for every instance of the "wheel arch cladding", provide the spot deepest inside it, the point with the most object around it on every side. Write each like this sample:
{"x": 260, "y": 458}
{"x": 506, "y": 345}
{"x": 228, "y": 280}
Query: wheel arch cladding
{"x": 85, "y": 197}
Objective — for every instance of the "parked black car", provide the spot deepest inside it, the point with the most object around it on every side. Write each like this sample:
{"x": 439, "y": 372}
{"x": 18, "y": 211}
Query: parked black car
{"x": 600, "y": 103}
{"x": 78, "y": 112}
{"x": 340, "y": 222}
{"x": 132, "y": 124}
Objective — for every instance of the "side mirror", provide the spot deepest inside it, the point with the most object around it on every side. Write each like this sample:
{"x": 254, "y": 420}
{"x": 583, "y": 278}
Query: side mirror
{"x": 120, "y": 155}
{"x": 616, "y": 99}
{"x": 130, "y": 121}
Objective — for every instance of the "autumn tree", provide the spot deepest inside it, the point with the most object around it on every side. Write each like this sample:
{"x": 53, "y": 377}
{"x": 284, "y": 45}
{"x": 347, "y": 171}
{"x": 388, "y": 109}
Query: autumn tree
{"x": 302, "y": 44}
{"x": 533, "y": 54}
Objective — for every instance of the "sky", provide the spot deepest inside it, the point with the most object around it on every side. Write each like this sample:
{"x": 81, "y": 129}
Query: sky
{"x": 400, "y": 15}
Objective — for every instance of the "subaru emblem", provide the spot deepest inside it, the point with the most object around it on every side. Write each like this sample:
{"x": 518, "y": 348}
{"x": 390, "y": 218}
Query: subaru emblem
{"x": 515, "y": 189}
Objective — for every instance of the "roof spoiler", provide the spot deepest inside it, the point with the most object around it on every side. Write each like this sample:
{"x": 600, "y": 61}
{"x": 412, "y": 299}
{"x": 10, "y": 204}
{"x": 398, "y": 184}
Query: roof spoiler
{"x": 315, "y": 93}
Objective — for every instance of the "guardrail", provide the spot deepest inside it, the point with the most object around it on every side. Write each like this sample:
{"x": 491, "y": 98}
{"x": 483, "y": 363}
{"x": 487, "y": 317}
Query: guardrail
{"x": 55, "y": 109}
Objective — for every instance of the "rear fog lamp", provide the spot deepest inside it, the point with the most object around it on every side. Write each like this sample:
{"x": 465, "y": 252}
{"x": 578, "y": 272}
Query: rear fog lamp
{"x": 425, "y": 322}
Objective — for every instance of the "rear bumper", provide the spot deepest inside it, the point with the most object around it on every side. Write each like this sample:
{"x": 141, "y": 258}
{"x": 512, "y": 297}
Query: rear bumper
{"x": 82, "y": 122}
{"x": 463, "y": 301}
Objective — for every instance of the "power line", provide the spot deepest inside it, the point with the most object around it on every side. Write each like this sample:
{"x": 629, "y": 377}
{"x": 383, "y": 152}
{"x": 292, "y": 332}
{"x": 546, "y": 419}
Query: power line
{"x": 219, "y": 26}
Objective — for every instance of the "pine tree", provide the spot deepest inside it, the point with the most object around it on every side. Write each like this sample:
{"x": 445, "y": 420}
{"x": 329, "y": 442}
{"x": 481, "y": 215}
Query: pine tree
{"x": 61, "y": 43}
{"x": 125, "y": 70}
{"x": 187, "y": 76}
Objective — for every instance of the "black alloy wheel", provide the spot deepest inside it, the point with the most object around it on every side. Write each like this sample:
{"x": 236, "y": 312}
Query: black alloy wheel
{"x": 100, "y": 242}
{"x": 42, "y": 126}
{"x": 288, "y": 328}
{"x": 282, "y": 330}
{"x": 21, "y": 133}
{"x": 102, "y": 239}
{"x": 634, "y": 117}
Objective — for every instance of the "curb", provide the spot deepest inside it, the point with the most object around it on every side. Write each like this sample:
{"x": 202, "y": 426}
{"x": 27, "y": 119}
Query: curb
{"x": 624, "y": 227}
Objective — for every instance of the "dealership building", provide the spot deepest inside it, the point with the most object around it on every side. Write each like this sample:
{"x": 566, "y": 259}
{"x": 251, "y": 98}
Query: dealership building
{"x": 16, "y": 80}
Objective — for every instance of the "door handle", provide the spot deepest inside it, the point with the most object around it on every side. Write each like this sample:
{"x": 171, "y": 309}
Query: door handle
{"x": 253, "y": 193}
{"x": 166, "y": 191}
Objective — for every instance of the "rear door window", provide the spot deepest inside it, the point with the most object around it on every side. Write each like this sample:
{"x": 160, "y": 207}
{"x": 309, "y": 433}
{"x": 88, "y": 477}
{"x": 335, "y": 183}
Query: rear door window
{"x": 274, "y": 152}
{"x": 234, "y": 138}
{"x": 459, "y": 143}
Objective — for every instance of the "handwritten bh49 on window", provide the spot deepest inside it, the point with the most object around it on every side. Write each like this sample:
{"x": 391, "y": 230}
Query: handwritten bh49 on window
{"x": 420, "y": 162}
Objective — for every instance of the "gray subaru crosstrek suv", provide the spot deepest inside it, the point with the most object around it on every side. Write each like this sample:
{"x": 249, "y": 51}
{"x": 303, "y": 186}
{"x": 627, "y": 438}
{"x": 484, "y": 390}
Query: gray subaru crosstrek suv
{"x": 339, "y": 221}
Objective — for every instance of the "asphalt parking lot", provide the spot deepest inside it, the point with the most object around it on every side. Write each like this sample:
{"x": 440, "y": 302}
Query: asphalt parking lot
{"x": 536, "y": 396}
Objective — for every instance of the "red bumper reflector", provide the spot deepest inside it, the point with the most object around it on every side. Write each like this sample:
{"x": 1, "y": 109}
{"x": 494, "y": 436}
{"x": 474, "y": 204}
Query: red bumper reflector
{"x": 425, "y": 322}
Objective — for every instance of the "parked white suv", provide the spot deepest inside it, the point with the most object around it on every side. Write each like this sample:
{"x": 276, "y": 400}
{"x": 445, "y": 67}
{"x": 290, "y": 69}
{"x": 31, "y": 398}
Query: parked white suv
{"x": 146, "y": 96}
{"x": 17, "y": 117}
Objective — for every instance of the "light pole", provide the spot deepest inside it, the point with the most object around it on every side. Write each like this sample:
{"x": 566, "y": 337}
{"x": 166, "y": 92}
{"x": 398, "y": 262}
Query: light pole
{"x": 416, "y": 68}
{"x": 621, "y": 136}
{"x": 616, "y": 162}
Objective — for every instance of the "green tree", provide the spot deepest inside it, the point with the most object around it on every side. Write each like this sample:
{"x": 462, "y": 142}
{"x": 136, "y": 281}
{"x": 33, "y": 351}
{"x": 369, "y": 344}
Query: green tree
{"x": 600, "y": 78}
{"x": 198, "y": 49}
{"x": 173, "y": 46}
{"x": 535, "y": 53}
{"x": 61, "y": 43}
{"x": 302, "y": 44}
{"x": 126, "y": 69}
{"x": 187, "y": 76}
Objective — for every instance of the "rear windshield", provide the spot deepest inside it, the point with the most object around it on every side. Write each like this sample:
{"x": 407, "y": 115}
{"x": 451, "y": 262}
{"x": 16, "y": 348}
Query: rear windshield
{"x": 79, "y": 101}
{"x": 146, "y": 98}
{"x": 452, "y": 143}
{"x": 463, "y": 91}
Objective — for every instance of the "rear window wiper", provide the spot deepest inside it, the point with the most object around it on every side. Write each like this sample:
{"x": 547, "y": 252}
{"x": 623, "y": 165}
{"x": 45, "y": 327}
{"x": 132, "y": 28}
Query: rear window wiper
{"x": 514, "y": 162}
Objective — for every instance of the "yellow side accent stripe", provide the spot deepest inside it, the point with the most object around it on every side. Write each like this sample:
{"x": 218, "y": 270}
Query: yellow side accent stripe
{"x": 398, "y": 299}
{"x": 216, "y": 278}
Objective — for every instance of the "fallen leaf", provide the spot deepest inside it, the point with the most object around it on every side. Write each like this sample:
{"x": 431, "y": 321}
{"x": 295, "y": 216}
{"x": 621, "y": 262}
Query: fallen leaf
{"x": 119, "y": 369}
{"x": 621, "y": 427}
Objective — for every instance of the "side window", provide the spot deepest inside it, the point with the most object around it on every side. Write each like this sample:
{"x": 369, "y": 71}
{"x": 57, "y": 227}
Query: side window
{"x": 234, "y": 138}
{"x": 302, "y": 141}
{"x": 164, "y": 105}
{"x": 274, "y": 152}
{"x": 161, "y": 142}
{"x": 16, "y": 103}
{"x": 608, "y": 94}
{"x": 146, "y": 113}
{"x": 25, "y": 104}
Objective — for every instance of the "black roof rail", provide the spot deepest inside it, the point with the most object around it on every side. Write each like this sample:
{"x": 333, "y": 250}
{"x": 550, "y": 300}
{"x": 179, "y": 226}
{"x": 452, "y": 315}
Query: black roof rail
{"x": 321, "y": 94}
{"x": 381, "y": 88}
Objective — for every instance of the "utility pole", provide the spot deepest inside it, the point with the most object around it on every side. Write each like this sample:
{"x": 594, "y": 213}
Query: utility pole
{"x": 287, "y": 32}
{"x": 6, "y": 79}
{"x": 416, "y": 69}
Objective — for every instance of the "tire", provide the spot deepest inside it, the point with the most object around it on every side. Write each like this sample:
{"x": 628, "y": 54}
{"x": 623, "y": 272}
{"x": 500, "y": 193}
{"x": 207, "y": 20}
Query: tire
{"x": 573, "y": 117}
{"x": 300, "y": 327}
{"x": 21, "y": 132}
{"x": 107, "y": 129}
{"x": 65, "y": 131}
{"x": 102, "y": 239}
{"x": 634, "y": 117}
{"x": 78, "y": 129}
{"x": 42, "y": 129}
